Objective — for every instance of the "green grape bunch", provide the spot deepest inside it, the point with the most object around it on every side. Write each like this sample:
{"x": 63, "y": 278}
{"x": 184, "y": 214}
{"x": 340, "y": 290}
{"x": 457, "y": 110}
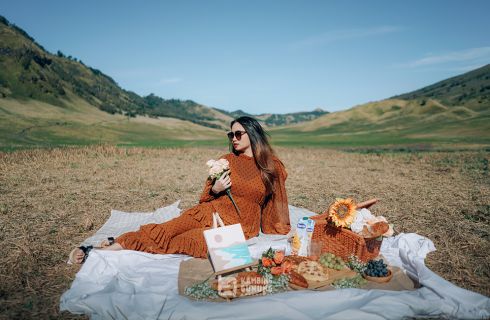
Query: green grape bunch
{"x": 355, "y": 282}
{"x": 331, "y": 261}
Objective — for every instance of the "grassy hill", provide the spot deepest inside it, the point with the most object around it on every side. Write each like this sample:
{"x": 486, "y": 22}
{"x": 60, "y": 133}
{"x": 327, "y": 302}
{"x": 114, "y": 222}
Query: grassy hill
{"x": 49, "y": 100}
{"x": 39, "y": 124}
{"x": 454, "y": 112}
{"x": 53, "y": 99}
{"x": 471, "y": 89}
{"x": 274, "y": 119}
{"x": 29, "y": 72}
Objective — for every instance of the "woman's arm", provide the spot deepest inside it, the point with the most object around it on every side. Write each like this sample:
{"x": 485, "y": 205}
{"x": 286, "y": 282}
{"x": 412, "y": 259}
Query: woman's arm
{"x": 207, "y": 194}
{"x": 275, "y": 213}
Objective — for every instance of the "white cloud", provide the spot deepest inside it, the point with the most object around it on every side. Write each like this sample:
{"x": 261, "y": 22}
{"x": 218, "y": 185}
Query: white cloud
{"x": 166, "y": 81}
{"x": 343, "y": 34}
{"x": 472, "y": 55}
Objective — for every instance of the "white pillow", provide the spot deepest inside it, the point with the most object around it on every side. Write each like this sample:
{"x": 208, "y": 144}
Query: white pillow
{"x": 296, "y": 213}
{"x": 121, "y": 222}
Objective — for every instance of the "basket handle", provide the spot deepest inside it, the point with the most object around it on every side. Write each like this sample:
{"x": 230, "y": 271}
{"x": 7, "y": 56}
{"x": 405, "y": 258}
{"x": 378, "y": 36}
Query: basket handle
{"x": 366, "y": 204}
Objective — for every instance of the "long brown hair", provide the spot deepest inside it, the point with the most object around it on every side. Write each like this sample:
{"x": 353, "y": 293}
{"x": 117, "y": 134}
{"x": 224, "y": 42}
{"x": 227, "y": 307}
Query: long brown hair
{"x": 262, "y": 151}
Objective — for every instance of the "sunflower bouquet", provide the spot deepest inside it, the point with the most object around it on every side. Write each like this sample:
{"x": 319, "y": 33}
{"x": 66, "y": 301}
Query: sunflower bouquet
{"x": 345, "y": 231}
{"x": 342, "y": 212}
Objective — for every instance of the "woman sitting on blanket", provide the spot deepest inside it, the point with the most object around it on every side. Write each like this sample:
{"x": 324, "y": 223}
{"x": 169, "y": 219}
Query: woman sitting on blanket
{"x": 258, "y": 190}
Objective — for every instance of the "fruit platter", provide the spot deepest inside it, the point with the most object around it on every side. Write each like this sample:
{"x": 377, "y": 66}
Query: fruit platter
{"x": 275, "y": 272}
{"x": 306, "y": 263}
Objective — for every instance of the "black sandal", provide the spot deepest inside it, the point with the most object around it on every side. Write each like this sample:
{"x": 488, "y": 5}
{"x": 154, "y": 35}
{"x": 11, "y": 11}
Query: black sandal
{"x": 86, "y": 250}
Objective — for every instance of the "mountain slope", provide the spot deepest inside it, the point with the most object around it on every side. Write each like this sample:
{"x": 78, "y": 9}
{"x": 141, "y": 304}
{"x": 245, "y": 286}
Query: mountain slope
{"x": 35, "y": 123}
{"x": 290, "y": 118}
{"x": 27, "y": 71}
{"x": 274, "y": 119}
{"x": 459, "y": 115}
{"x": 471, "y": 89}
{"x": 48, "y": 99}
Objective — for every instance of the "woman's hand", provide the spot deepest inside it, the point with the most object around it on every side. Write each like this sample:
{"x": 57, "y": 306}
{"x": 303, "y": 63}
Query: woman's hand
{"x": 223, "y": 183}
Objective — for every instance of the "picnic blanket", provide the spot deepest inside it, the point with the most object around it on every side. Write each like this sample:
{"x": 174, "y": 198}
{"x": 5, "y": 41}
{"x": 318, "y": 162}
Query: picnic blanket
{"x": 136, "y": 285}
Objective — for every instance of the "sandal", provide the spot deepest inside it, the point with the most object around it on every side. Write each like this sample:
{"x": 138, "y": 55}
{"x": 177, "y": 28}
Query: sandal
{"x": 86, "y": 250}
{"x": 110, "y": 242}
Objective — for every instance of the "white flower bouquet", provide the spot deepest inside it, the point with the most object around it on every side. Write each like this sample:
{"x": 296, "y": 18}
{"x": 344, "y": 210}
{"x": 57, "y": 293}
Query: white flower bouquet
{"x": 216, "y": 169}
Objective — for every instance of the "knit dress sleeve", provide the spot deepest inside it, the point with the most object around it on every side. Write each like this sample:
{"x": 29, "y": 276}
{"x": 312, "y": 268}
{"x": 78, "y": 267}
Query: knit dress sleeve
{"x": 275, "y": 212}
{"x": 207, "y": 194}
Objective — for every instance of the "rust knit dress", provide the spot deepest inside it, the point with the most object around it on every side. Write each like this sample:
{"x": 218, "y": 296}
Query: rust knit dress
{"x": 184, "y": 234}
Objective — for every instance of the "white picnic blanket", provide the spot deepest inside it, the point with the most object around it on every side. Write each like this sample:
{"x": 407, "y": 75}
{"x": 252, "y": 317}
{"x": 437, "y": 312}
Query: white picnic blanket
{"x": 135, "y": 285}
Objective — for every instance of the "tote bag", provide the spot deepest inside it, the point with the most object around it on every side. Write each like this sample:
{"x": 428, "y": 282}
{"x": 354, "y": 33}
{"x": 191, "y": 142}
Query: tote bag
{"x": 227, "y": 247}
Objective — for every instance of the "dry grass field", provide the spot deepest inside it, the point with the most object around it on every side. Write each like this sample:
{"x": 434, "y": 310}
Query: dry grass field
{"x": 50, "y": 200}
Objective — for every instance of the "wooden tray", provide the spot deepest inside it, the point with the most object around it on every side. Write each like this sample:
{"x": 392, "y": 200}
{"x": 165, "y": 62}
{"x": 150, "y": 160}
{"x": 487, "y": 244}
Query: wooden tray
{"x": 195, "y": 270}
{"x": 333, "y": 275}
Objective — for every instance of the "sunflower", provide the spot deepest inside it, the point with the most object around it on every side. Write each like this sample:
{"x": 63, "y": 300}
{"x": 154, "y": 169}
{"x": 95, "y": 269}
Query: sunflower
{"x": 342, "y": 212}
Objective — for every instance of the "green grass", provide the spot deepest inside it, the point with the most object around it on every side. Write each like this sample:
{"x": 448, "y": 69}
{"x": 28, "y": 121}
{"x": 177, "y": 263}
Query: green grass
{"x": 35, "y": 124}
{"x": 410, "y": 127}
{"x": 414, "y": 138}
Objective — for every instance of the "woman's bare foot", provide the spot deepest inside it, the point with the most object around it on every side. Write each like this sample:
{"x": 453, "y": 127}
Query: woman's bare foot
{"x": 77, "y": 255}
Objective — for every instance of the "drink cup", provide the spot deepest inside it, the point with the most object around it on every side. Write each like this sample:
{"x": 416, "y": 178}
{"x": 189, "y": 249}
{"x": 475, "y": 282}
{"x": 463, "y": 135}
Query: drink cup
{"x": 315, "y": 249}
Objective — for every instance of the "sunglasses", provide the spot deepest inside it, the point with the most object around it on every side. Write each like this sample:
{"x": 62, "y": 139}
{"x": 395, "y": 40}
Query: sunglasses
{"x": 238, "y": 134}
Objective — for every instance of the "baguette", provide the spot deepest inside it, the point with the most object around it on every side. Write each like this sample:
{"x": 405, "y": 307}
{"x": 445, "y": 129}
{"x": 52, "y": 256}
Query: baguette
{"x": 375, "y": 230}
{"x": 297, "y": 279}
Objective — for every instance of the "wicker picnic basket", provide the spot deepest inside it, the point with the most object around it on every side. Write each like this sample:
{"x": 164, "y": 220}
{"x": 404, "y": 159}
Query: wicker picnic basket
{"x": 343, "y": 242}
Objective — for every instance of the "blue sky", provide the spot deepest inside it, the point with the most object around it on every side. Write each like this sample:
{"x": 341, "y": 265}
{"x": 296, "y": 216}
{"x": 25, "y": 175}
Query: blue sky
{"x": 265, "y": 56}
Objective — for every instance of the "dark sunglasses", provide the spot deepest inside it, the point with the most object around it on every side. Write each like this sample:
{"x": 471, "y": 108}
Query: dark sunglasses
{"x": 238, "y": 134}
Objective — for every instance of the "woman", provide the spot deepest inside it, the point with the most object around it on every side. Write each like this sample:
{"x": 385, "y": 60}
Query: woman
{"x": 258, "y": 189}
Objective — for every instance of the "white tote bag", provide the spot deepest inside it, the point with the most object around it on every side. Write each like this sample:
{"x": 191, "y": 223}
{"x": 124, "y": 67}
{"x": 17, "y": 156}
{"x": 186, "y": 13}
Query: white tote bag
{"x": 227, "y": 247}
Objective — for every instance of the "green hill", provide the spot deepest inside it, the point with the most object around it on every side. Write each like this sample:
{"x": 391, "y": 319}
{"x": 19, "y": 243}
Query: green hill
{"x": 290, "y": 118}
{"x": 52, "y": 99}
{"x": 48, "y": 99}
{"x": 274, "y": 119}
{"x": 453, "y": 112}
{"x": 471, "y": 90}
{"x": 30, "y": 74}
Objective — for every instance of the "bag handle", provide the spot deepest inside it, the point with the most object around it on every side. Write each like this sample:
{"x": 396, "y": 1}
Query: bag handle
{"x": 217, "y": 220}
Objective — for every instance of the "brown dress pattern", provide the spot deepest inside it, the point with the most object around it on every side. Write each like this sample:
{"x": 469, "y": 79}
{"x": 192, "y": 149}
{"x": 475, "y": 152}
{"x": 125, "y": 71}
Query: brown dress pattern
{"x": 184, "y": 234}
